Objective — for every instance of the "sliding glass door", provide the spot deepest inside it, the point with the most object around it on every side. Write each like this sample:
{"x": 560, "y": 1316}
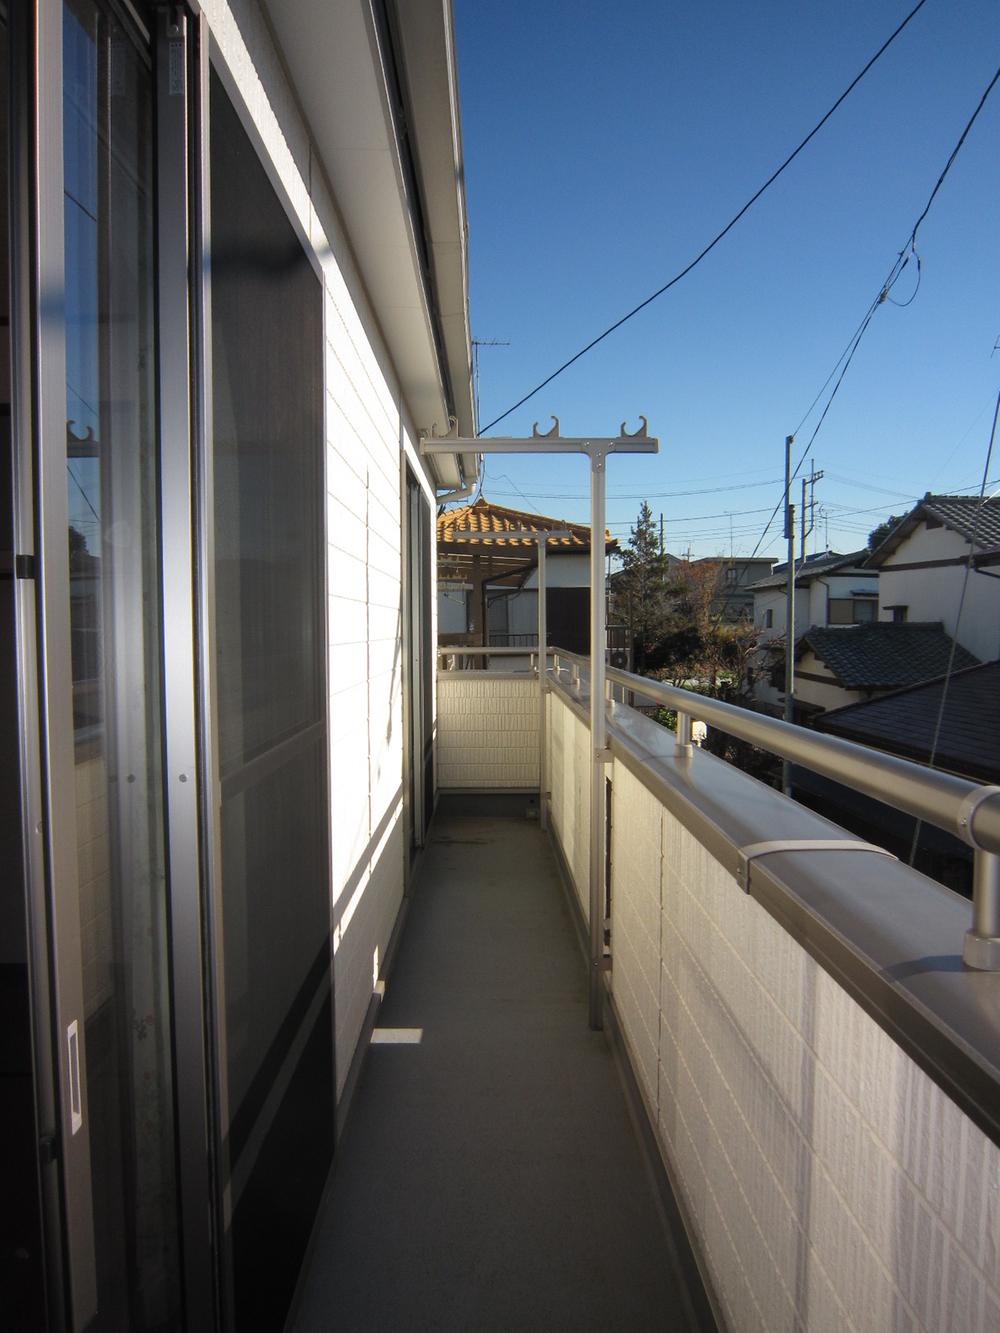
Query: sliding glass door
{"x": 108, "y": 809}
{"x": 275, "y": 967}
{"x": 176, "y": 822}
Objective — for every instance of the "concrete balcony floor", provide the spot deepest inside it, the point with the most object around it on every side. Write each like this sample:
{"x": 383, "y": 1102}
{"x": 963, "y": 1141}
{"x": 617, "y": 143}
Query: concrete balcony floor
{"x": 490, "y": 1176}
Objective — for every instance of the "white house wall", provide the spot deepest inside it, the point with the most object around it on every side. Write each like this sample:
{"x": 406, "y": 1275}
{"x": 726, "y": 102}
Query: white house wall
{"x": 367, "y": 431}
{"x": 934, "y": 594}
{"x": 811, "y": 603}
{"x": 563, "y": 571}
{"x": 819, "y": 693}
{"x": 452, "y": 611}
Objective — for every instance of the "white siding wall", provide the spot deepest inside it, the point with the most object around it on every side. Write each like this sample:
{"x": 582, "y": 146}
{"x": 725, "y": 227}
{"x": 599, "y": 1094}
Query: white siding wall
{"x": 452, "y": 610}
{"x": 487, "y": 731}
{"x": 832, "y": 1185}
{"x": 819, "y": 693}
{"x": 934, "y": 594}
{"x": 810, "y": 603}
{"x": 368, "y": 430}
{"x": 563, "y": 571}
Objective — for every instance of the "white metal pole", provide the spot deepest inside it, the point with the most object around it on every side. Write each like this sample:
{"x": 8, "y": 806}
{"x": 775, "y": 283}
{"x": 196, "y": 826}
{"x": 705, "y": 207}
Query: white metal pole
{"x": 598, "y": 730}
{"x": 786, "y": 768}
{"x": 543, "y": 784}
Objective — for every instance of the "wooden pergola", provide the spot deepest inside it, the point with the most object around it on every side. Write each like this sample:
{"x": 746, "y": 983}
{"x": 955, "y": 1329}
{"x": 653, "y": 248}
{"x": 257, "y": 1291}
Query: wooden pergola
{"x": 476, "y": 550}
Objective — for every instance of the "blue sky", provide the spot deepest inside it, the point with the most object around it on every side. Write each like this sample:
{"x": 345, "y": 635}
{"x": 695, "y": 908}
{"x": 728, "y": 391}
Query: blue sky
{"x": 606, "y": 144}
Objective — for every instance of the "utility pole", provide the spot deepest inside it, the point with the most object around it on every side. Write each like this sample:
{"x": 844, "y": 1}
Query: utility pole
{"x": 661, "y": 534}
{"x": 809, "y": 481}
{"x": 790, "y": 622}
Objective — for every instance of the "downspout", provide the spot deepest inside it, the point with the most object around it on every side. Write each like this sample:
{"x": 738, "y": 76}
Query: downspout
{"x": 460, "y": 492}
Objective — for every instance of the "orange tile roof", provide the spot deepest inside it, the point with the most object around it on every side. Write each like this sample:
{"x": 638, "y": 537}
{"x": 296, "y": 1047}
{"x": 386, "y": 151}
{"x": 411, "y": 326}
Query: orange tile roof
{"x": 483, "y": 523}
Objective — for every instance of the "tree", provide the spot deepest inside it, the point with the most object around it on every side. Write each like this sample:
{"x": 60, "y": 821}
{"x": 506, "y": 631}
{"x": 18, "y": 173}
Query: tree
{"x": 878, "y": 535}
{"x": 642, "y": 589}
{"x": 698, "y": 643}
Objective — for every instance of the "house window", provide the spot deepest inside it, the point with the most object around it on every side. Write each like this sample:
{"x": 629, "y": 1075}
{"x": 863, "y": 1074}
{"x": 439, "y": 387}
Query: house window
{"x": 851, "y": 610}
{"x": 731, "y": 576}
{"x": 769, "y": 619}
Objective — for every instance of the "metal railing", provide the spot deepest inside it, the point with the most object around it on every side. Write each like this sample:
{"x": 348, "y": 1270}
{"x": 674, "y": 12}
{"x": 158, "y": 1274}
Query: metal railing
{"x": 448, "y": 657}
{"x": 498, "y": 640}
{"x": 967, "y": 810}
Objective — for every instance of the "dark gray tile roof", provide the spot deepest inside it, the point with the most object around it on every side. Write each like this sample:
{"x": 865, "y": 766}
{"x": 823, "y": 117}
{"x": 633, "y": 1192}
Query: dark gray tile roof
{"x": 823, "y": 564}
{"x": 904, "y": 722}
{"x": 957, "y": 512}
{"x": 883, "y": 655}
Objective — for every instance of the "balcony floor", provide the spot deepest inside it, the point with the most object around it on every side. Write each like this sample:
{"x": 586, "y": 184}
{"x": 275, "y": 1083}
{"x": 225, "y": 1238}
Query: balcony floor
{"x": 490, "y": 1176}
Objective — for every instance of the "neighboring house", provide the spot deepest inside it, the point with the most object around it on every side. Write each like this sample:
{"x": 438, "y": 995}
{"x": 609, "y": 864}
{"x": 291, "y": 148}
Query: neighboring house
{"x": 963, "y": 736}
{"x": 958, "y": 727}
{"x": 488, "y": 582}
{"x": 922, "y": 568}
{"x": 735, "y": 577}
{"x": 830, "y": 589}
{"x": 235, "y": 234}
{"x": 837, "y": 666}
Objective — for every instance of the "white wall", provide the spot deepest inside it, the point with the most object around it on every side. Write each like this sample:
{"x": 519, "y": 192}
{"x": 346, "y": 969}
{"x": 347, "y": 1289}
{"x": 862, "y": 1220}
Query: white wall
{"x": 934, "y": 594}
{"x": 563, "y": 571}
{"x": 368, "y": 430}
{"x": 823, "y": 695}
{"x": 811, "y": 603}
{"x": 487, "y": 731}
{"x": 831, "y": 1184}
{"x": 776, "y": 602}
{"x": 452, "y": 612}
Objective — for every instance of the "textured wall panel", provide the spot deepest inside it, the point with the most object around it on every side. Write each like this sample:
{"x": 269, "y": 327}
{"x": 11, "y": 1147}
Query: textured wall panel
{"x": 487, "y": 732}
{"x": 832, "y": 1184}
{"x": 569, "y": 785}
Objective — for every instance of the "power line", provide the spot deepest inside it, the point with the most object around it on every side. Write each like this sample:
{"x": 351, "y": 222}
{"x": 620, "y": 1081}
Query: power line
{"x": 725, "y": 230}
{"x": 846, "y": 357}
{"x": 958, "y": 615}
{"x": 639, "y": 495}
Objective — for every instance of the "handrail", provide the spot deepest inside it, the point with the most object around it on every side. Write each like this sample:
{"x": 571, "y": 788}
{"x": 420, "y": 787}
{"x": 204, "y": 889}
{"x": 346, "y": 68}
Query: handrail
{"x": 472, "y": 650}
{"x": 948, "y": 802}
{"x": 967, "y": 810}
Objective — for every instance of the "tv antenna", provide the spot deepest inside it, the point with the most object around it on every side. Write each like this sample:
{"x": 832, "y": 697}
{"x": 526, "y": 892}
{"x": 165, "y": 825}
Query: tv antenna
{"x": 476, "y": 344}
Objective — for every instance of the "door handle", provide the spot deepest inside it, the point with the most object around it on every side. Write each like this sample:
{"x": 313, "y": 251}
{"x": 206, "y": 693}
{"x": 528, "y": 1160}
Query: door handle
{"x": 75, "y": 1096}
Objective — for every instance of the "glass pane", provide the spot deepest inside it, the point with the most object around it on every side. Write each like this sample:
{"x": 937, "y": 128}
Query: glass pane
{"x": 267, "y": 341}
{"x": 111, "y": 461}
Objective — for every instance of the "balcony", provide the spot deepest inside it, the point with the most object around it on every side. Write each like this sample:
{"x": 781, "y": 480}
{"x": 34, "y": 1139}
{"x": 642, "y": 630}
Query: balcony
{"x": 804, "y": 1134}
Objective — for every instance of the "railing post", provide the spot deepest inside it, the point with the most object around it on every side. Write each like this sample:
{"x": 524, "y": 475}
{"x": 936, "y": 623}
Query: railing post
{"x": 598, "y": 730}
{"x": 543, "y": 814}
{"x": 981, "y": 947}
{"x": 684, "y": 742}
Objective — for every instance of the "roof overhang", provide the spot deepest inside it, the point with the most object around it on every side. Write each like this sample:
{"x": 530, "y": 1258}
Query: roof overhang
{"x": 377, "y": 84}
